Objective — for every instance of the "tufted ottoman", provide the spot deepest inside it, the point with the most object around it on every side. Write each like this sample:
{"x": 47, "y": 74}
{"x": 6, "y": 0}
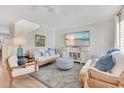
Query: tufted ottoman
{"x": 64, "y": 63}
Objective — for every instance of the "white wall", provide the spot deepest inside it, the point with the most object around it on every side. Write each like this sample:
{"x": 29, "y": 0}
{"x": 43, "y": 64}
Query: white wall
{"x": 101, "y": 36}
{"x": 30, "y": 41}
{"x": 4, "y": 28}
{"x": 30, "y": 38}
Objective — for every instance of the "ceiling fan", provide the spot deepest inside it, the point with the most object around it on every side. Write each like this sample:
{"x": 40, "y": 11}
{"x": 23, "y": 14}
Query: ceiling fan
{"x": 51, "y": 9}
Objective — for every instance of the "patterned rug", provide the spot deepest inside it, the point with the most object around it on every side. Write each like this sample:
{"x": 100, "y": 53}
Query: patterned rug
{"x": 53, "y": 77}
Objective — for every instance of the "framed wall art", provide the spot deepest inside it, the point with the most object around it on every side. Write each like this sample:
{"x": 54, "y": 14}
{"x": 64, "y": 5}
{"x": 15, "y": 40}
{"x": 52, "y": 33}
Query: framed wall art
{"x": 79, "y": 39}
{"x": 40, "y": 41}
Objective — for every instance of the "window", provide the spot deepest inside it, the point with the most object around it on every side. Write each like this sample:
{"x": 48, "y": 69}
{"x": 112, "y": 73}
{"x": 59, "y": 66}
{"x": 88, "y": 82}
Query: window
{"x": 4, "y": 38}
{"x": 121, "y": 34}
{"x": 121, "y": 28}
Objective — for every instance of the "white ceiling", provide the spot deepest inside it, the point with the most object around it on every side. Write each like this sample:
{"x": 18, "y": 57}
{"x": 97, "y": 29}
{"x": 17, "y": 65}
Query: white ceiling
{"x": 24, "y": 27}
{"x": 57, "y": 17}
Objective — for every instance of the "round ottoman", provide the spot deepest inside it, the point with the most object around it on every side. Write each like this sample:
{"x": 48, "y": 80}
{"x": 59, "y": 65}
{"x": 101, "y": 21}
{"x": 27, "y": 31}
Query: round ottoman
{"x": 64, "y": 63}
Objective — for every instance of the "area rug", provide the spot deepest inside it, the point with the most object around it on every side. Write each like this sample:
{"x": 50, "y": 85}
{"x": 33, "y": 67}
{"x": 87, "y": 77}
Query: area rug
{"x": 53, "y": 77}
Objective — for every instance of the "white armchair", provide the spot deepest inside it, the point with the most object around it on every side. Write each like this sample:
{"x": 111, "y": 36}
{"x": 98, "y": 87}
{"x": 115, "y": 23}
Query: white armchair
{"x": 93, "y": 77}
{"x": 17, "y": 71}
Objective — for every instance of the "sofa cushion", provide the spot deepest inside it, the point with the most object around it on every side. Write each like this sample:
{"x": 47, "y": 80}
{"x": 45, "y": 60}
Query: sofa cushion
{"x": 40, "y": 59}
{"x": 119, "y": 66}
{"x": 42, "y": 49}
{"x": 36, "y": 53}
{"x": 21, "y": 71}
{"x": 55, "y": 56}
{"x": 13, "y": 61}
{"x": 105, "y": 63}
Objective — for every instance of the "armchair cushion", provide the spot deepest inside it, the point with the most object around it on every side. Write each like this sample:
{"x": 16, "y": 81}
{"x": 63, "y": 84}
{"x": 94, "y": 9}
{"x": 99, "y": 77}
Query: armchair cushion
{"x": 119, "y": 66}
{"x": 13, "y": 61}
{"x": 22, "y": 71}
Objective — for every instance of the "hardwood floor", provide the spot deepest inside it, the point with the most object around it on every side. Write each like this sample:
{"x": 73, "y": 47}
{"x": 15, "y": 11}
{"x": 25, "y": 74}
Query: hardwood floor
{"x": 21, "y": 82}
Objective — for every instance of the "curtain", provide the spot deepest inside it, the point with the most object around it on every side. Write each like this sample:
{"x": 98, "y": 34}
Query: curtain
{"x": 116, "y": 41}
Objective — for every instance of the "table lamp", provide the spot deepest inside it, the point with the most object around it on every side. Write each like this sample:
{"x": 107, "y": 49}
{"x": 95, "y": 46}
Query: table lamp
{"x": 19, "y": 41}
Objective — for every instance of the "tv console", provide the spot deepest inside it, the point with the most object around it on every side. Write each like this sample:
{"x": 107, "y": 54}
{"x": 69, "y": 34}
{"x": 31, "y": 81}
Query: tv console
{"x": 79, "y": 54}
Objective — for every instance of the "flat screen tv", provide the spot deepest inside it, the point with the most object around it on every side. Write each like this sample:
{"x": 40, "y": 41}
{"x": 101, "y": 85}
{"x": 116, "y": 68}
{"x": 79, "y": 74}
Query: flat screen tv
{"x": 79, "y": 39}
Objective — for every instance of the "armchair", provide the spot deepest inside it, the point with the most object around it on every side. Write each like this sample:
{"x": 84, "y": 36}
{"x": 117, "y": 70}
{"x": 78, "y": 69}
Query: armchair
{"x": 16, "y": 71}
{"x": 92, "y": 77}
{"x": 84, "y": 72}
{"x": 100, "y": 79}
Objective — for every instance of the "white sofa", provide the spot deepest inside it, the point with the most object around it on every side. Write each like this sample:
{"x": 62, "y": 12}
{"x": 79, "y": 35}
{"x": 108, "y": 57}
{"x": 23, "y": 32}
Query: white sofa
{"x": 42, "y": 56}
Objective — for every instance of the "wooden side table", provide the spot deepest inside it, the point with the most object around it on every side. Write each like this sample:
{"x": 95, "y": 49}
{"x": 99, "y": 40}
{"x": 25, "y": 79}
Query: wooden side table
{"x": 24, "y": 56}
{"x": 30, "y": 59}
{"x": 27, "y": 58}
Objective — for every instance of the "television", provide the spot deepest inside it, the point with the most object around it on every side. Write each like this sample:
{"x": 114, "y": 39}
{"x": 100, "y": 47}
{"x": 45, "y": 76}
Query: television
{"x": 78, "y": 39}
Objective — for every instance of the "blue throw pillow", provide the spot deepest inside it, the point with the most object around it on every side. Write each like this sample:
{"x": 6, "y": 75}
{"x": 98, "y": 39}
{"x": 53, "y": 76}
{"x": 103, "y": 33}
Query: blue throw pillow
{"x": 112, "y": 50}
{"x": 51, "y": 52}
{"x": 21, "y": 61}
{"x": 56, "y": 52}
{"x": 105, "y": 63}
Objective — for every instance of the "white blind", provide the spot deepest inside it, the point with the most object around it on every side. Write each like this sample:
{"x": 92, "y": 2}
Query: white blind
{"x": 121, "y": 35}
{"x": 121, "y": 31}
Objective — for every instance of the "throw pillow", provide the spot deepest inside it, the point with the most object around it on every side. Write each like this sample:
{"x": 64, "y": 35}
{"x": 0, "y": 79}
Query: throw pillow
{"x": 56, "y": 52}
{"x": 21, "y": 61}
{"x": 36, "y": 53}
{"x": 51, "y": 52}
{"x": 41, "y": 53}
{"x": 112, "y": 50}
{"x": 105, "y": 63}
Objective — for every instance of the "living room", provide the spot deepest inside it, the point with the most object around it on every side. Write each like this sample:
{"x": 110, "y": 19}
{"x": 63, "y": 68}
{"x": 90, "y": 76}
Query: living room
{"x": 60, "y": 41}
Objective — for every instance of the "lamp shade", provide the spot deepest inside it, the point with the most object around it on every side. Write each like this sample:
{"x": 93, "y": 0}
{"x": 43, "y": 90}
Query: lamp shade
{"x": 19, "y": 41}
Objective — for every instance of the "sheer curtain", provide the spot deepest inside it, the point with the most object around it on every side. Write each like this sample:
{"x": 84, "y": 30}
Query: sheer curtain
{"x": 117, "y": 28}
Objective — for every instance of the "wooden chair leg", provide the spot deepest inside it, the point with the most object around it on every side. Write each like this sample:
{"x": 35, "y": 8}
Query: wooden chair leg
{"x": 10, "y": 83}
{"x": 85, "y": 84}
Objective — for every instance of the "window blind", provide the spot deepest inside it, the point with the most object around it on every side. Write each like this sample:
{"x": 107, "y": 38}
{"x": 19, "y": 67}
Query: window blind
{"x": 121, "y": 30}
